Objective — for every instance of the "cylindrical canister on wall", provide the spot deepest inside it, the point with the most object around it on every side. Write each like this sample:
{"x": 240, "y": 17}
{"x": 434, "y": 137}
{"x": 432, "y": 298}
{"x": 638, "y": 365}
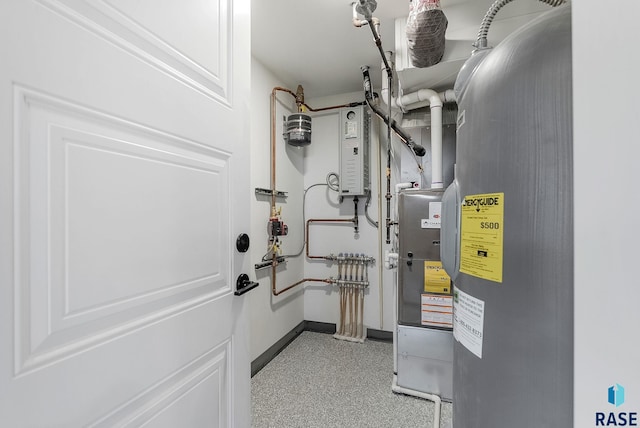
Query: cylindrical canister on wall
{"x": 298, "y": 130}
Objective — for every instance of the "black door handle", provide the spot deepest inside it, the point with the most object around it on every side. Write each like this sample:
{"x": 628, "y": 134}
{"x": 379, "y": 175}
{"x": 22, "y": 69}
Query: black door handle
{"x": 243, "y": 284}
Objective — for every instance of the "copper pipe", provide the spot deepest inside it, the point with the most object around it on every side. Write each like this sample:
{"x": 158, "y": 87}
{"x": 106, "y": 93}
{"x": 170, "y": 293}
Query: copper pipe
{"x": 278, "y": 292}
{"x": 273, "y": 143}
{"x": 322, "y": 220}
{"x": 272, "y": 209}
{"x": 299, "y": 99}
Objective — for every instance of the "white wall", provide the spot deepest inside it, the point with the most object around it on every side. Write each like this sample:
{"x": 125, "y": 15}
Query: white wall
{"x": 273, "y": 317}
{"x": 606, "y": 208}
{"x": 321, "y": 301}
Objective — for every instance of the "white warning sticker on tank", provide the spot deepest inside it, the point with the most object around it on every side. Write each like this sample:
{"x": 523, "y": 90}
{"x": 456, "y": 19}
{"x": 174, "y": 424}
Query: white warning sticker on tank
{"x": 468, "y": 321}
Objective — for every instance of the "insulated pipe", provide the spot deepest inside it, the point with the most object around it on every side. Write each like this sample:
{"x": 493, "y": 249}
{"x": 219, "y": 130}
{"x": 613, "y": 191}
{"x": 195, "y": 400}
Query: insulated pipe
{"x": 401, "y": 133}
{"x": 353, "y": 104}
{"x": 419, "y": 150}
{"x": 376, "y": 38}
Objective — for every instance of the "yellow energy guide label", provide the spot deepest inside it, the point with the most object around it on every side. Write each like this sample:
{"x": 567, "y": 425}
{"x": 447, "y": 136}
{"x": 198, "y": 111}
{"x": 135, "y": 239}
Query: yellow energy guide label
{"x": 482, "y": 228}
{"x": 436, "y": 279}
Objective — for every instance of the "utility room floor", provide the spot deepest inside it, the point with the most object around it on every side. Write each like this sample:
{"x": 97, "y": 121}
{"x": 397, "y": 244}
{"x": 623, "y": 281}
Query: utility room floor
{"x": 319, "y": 381}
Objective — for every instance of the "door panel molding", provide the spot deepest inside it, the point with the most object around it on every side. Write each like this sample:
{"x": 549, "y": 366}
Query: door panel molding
{"x": 70, "y": 163}
{"x": 208, "y": 74}
{"x": 208, "y": 375}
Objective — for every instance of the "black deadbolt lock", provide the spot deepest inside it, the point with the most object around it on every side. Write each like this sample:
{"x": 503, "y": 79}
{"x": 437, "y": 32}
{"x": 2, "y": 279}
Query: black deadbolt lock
{"x": 242, "y": 243}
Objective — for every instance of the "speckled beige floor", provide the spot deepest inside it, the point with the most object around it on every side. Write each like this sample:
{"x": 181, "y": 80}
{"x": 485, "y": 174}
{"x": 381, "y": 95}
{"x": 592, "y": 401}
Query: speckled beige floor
{"x": 318, "y": 381}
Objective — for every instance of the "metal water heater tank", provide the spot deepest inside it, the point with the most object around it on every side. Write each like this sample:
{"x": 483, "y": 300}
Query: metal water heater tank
{"x": 513, "y": 296}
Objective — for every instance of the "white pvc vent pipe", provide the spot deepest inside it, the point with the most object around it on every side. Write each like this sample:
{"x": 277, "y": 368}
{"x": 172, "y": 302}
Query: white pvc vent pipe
{"x": 437, "y": 401}
{"x": 433, "y": 99}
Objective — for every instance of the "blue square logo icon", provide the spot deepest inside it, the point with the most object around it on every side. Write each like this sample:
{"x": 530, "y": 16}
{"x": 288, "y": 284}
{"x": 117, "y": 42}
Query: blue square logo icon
{"x": 616, "y": 395}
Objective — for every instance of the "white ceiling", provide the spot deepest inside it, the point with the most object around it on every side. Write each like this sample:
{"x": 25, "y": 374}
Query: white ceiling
{"x": 314, "y": 43}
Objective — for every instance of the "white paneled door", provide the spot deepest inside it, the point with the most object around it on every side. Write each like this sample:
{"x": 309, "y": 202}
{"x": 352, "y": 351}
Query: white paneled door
{"x": 123, "y": 187}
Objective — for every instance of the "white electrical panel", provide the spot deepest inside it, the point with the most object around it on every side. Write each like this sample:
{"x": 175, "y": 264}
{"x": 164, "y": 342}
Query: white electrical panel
{"x": 354, "y": 151}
